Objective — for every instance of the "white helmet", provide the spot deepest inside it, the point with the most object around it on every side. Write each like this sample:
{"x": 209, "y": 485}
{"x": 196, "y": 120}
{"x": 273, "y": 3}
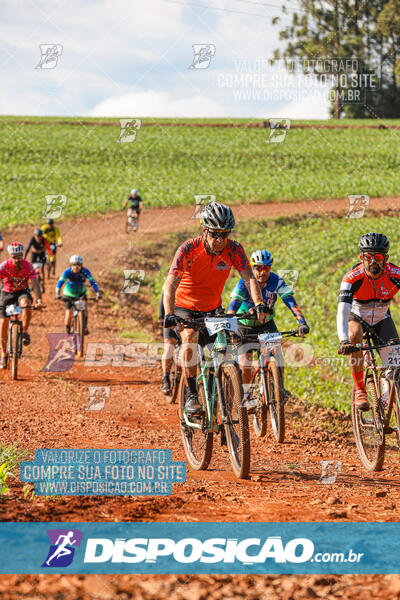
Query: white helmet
{"x": 134, "y": 192}
{"x": 76, "y": 260}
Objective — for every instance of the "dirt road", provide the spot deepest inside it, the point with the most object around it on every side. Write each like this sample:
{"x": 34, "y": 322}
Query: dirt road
{"x": 47, "y": 410}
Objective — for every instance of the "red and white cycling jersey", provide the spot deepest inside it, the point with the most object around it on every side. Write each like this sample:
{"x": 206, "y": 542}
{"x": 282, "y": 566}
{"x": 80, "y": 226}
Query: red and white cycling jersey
{"x": 16, "y": 281}
{"x": 366, "y": 297}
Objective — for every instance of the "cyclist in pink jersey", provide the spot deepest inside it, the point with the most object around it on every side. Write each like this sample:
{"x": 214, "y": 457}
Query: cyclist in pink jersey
{"x": 16, "y": 273}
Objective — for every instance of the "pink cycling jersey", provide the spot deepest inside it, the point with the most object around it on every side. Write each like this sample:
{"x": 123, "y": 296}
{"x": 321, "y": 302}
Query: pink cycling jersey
{"x": 16, "y": 281}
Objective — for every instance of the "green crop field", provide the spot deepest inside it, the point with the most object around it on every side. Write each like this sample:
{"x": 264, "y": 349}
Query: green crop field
{"x": 169, "y": 165}
{"x": 321, "y": 251}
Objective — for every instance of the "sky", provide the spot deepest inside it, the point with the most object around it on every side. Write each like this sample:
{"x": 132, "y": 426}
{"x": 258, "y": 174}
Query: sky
{"x": 154, "y": 58}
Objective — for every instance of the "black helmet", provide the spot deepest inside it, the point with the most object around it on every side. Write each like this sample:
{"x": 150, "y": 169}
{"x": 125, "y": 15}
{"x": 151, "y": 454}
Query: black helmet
{"x": 50, "y": 222}
{"x": 218, "y": 216}
{"x": 38, "y": 232}
{"x": 374, "y": 242}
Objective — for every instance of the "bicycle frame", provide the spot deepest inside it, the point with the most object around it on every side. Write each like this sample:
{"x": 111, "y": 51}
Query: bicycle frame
{"x": 375, "y": 371}
{"x": 211, "y": 374}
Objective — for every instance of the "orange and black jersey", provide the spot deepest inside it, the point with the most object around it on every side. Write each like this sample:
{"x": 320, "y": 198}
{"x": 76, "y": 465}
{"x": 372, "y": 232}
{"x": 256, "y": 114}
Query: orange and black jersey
{"x": 203, "y": 275}
{"x": 366, "y": 297}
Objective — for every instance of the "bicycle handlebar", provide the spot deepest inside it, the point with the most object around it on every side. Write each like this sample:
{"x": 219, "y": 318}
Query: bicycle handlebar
{"x": 199, "y": 321}
{"x": 362, "y": 346}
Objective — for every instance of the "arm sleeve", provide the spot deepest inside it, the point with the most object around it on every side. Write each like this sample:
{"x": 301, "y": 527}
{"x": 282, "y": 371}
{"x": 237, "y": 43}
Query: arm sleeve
{"x": 92, "y": 280}
{"x": 344, "y": 308}
{"x": 58, "y": 235}
{"x": 62, "y": 280}
{"x": 181, "y": 260}
{"x": 294, "y": 307}
{"x": 238, "y": 295}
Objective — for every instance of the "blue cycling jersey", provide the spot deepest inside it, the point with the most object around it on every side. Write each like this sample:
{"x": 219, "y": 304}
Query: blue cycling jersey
{"x": 75, "y": 282}
{"x": 275, "y": 286}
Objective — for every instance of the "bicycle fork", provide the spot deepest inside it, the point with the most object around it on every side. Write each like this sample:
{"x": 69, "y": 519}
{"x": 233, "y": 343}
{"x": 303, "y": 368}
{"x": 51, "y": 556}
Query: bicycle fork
{"x": 12, "y": 324}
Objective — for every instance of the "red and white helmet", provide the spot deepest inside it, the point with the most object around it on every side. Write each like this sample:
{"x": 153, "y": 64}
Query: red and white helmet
{"x": 15, "y": 248}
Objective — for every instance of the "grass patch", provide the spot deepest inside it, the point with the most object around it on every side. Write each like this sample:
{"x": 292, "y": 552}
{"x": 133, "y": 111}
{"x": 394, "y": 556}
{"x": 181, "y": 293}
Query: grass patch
{"x": 169, "y": 165}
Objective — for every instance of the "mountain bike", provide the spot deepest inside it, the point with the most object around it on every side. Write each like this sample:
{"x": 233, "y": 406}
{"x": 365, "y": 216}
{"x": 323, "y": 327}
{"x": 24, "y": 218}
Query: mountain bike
{"x": 266, "y": 386}
{"x": 39, "y": 268}
{"x": 132, "y": 223}
{"x": 79, "y": 322}
{"x": 14, "y": 341}
{"x": 219, "y": 385}
{"x": 371, "y": 427}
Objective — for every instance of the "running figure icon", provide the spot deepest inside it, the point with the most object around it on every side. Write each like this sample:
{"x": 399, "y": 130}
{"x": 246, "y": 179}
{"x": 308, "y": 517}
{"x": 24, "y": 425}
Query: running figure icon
{"x": 63, "y": 543}
{"x": 62, "y": 549}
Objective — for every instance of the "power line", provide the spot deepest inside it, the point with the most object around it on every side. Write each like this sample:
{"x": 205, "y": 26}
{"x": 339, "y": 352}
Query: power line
{"x": 239, "y": 12}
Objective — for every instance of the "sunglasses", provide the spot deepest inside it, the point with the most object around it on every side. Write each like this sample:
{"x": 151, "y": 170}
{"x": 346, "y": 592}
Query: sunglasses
{"x": 262, "y": 269}
{"x": 377, "y": 256}
{"x": 218, "y": 234}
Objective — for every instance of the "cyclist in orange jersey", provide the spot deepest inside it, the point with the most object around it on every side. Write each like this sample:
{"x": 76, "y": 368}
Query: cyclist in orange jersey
{"x": 196, "y": 280}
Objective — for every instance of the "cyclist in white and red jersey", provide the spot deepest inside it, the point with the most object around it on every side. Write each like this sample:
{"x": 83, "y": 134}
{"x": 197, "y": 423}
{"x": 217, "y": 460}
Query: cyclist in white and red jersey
{"x": 365, "y": 295}
{"x": 16, "y": 273}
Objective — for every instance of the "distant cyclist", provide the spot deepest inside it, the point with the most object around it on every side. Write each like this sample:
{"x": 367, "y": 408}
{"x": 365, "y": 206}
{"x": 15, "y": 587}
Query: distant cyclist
{"x": 74, "y": 279}
{"x": 365, "y": 295}
{"x": 52, "y": 234}
{"x": 197, "y": 278}
{"x": 271, "y": 286}
{"x": 134, "y": 204}
{"x": 1, "y": 243}
{"x": 38, "y": 246}
{"x": 16, "y": 273}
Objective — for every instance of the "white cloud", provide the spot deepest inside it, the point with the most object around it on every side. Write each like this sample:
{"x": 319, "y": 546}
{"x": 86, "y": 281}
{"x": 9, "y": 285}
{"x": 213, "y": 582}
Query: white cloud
{"x": 158, "y": 104}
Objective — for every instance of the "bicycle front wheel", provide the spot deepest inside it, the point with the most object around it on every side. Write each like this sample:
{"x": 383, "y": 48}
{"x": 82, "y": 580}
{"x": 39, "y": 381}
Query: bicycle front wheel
{"x": 257, "y": 393}
{"x": 15, "y": 333}
{"x": 276, "y": 400}
{"x": 197, "y": 440}
{"x": 237, "y": 422}
{"x": 369, "y": 430}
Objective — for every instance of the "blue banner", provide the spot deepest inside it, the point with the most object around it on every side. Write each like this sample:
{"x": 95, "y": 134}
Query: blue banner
{"x": 197, "y": 548}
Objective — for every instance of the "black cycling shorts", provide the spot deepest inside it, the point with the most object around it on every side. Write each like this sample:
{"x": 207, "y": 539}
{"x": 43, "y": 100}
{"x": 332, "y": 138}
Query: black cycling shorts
{"x": 173, "y": 334}
{"x": 7, "y": 298}
{"x": 36, "y": 258}
{"x": 187, "y": 314}
{"x": 69, "y": 300}
{"x": 381, "y": 332}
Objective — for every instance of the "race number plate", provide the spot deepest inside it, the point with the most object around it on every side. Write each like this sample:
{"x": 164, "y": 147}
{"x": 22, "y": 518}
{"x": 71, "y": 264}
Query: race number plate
{"x": 79, "y": 305}
{"x": 394, "y": 356}
{"x": 214, "y": 324}
{"x": 12, "y": 309}
{"x": 37, "y": 265}
{"x": 268, "y": 340}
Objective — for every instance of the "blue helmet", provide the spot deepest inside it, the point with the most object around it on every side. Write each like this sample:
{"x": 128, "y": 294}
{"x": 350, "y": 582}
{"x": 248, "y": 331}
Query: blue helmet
{"x": 261, "y": 257}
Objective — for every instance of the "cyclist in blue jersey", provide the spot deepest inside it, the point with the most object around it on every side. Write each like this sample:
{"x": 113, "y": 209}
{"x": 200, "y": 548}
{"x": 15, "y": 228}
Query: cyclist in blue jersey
{"x": 271, "y": 286}
{"x": 74, "y": 279}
